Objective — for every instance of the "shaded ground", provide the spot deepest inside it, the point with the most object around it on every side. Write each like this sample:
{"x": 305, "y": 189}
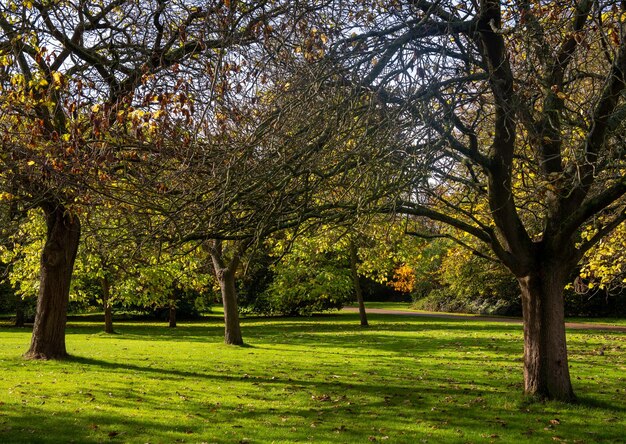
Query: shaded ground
{"x": 322, "y": 379}
{"x": 480, "y": 318}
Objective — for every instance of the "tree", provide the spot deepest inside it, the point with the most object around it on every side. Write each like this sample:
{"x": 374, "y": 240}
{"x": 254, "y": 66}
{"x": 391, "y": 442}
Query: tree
{"x": 112, "y": 266}
{"x": 604, "y": 266}
{"x": 71, "y": 71}
{"x": 466, "y": 283}
{"x": 310, "y": 273}
{"x": 270, "y": 157}
{"x": 356, "y": 281}
{"x": 516, "y": 108}
{"x": 322, "y": 267}
{"x": 20, "y": 252}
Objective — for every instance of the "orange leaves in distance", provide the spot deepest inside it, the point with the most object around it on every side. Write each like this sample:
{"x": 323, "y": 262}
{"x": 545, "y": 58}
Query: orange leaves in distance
{"x": 403, "y": 279}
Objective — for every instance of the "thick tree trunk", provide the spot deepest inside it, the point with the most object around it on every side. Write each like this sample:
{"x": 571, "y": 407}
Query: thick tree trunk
{"x": 19, "y": 312}
{"x": 357, "y": 284}
{"x": 108, "y": 311}
{"x": 57, "y": 263}
{"x": 232, "y": 329}
{"x": 546, "y": 371}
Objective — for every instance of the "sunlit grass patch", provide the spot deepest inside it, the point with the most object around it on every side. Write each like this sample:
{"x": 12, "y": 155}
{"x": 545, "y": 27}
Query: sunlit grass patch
{"x": 320, "y": 379}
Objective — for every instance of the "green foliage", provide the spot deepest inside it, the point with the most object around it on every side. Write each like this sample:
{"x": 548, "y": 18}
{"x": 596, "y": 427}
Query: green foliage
{"x": 143, "y": 278}
{"x": 470, "y": 284}
{"x": 427, "y": 267}
{"x": 258, "y": 275}
{"x": 22, "y": 254}
{"x": 595, "y": 303}
{"x": 10, "y": 301}
{"x": 313, "y": 276}
{"x": 7, "y": 298}
{"x": 302, "y": 286}
{"x": 149, "y": 285}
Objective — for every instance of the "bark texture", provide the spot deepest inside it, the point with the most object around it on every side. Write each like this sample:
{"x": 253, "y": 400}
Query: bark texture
{"x": 546, "y": 370}
{"x": 232, "y": 329}
{"x": 57, "y": 263}
{"x": 225, "y": 274}
{"x": 357, "y": 284}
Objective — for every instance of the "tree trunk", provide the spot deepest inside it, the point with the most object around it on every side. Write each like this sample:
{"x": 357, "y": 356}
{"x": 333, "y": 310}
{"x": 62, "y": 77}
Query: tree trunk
{"x": 57, "y": 263}
{"x": 108, "y": 312}
{"x": 232, "y": 329}
{"x": 357, "y": 284}
{"x": 172, "y": 311}
{"x": 546, "y": 371}
{"x": 19, "y": 312}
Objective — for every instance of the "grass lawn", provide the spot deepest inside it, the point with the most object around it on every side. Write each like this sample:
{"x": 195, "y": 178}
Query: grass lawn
{"x": 406, "y": 306}
{"x": 320, "y": 379}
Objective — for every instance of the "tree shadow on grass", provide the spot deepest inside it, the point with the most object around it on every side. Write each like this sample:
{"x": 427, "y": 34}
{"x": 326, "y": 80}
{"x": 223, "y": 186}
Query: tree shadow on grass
{"x": 216, "y": 377}
{"x": 434, "y": 336}
{"x": 446, "y": 402}
{"x": 340, "y": 412}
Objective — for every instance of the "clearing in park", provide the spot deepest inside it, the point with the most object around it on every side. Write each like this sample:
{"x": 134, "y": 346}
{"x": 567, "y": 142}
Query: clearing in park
{"x": 320, "y": 379}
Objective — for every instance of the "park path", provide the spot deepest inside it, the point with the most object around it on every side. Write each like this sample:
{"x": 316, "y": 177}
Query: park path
{"x": 508, "y": 320}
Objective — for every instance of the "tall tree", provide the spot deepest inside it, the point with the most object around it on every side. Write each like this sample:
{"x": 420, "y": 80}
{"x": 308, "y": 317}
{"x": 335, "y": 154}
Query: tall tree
{"x": 256, "y": 152}
{"x": 70, "y": 71}
{"x": 517, "y": 108}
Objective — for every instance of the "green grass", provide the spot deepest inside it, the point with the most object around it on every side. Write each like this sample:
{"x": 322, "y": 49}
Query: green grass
{"x": 403, "y": 306}
{"x": 407, "y": 306}
{"x": 320, "y": 379}
{"x": 619, "y": 322}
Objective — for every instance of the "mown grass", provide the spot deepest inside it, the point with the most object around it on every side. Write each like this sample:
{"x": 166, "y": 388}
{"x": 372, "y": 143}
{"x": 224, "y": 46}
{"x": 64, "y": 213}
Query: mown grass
{"x": 403, "y": 306}
{"x": 320, "y": 379}
{"x": 407, "y": 306}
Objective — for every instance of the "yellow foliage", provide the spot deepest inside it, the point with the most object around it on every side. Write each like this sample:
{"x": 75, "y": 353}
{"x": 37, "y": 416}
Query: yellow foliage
{"x": 403, "y": 279}
{"x": 605, "y": 264}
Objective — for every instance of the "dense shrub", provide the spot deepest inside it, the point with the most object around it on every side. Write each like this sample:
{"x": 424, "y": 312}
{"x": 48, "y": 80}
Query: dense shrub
{"x": 470, "y": 284}
{"x": 302, "y": 290}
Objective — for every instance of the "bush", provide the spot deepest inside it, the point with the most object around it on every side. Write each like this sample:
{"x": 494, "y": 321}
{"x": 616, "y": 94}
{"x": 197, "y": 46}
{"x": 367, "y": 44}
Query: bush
{"x": 300, "y": 289}
{"x": 469, "y": 284}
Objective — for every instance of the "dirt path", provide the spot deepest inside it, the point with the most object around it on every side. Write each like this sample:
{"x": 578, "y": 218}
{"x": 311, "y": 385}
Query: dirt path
{"x": 572, "y": 325}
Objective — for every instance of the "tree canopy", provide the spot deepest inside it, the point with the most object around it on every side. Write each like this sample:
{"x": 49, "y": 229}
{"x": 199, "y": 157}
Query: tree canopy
{"x": 213, "y": 126}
